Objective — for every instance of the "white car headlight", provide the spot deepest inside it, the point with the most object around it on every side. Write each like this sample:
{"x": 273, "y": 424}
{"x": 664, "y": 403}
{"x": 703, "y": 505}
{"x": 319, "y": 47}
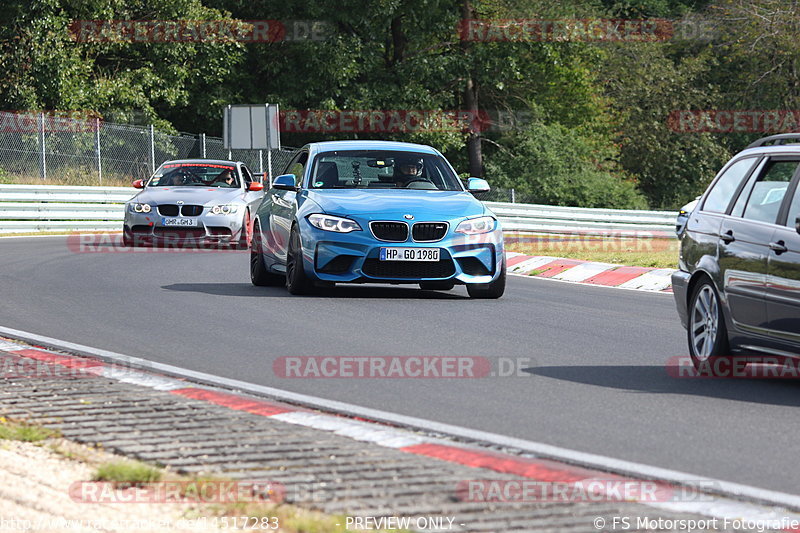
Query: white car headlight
{"x": 476, "y": 226}
{"x": 332, "y": 223}
{"x": 140, "y": 208}
{"x": 227, "y": 209}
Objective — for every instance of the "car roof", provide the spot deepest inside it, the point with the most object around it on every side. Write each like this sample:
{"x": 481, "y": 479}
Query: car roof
{"x": 211, "y": 161}
{"x": 327, "y": 146}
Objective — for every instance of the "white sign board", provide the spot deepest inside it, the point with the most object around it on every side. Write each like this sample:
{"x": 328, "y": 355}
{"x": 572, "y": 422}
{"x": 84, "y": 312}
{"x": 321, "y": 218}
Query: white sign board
{"x": 251, "y": 127}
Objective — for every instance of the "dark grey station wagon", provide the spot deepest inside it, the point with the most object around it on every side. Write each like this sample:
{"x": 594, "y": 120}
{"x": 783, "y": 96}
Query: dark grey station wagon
{"x": 738, "y": 285}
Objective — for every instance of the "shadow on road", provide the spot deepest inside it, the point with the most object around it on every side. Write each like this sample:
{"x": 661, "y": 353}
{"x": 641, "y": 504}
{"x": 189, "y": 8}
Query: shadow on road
{"x": 348, "y": 291}
{"x": 657, "y": 380}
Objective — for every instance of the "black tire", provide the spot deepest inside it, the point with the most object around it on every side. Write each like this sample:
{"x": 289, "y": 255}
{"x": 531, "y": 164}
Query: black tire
{"x": 260, "y": 276}
{"x": 489, "y": 291}
{"x": 437, "y": 285}
{"x": 706, "y": 332}
{"x": 297, "y": 281}
{"x": 246, "y": 238}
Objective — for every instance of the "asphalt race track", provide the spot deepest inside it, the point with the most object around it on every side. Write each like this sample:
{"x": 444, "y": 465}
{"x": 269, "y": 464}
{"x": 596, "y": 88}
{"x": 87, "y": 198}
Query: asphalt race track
{"x": 596, "y": 381}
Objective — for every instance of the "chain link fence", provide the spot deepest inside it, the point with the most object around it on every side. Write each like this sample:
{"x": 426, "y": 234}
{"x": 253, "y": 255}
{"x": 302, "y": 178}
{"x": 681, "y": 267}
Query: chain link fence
{"x": 41, "y": 148}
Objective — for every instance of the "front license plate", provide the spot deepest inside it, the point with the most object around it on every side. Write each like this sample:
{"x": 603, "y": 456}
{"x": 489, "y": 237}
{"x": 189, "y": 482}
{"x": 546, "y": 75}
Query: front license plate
{"x": 409, "y": 254}
{"x": 178, "y": 222}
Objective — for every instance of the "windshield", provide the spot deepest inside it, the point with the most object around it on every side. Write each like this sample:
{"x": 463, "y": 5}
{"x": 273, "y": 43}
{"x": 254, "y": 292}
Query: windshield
{"x": 195, "y": 174}
{"x": 382, "y": 169}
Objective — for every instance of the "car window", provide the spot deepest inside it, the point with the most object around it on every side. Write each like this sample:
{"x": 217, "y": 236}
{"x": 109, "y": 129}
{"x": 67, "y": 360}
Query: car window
{"x": 720, "y": 196}
{"x": 297, "y": 167}
{"x": 248, "y": 177}
{"x": 794, "y": 209}
{"x": 382, "y": 169}
{"x": 195, "y": 175}
{"x": 768, "y": 191}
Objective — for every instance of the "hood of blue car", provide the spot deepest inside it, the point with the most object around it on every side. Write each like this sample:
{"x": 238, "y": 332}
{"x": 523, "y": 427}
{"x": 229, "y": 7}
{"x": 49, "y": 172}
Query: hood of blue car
{"x": 189, "y": 195}
{"x": 395, "y": 203}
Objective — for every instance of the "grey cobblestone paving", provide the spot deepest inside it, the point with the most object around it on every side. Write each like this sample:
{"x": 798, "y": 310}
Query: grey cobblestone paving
{"x": 318, "y": 469}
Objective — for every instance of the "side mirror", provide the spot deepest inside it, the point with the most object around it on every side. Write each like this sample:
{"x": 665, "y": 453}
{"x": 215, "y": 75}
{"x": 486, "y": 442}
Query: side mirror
{"x": 797, "y": 224}
{"x": 285, "y": 182}
{"x": 254, "y": 186}
{"x": 477, "y": 185}
{"x": 138, "y": 184}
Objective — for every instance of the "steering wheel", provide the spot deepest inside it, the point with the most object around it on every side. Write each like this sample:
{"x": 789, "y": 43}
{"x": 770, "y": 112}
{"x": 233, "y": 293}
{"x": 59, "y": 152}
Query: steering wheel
{"x": 418, "y": 180}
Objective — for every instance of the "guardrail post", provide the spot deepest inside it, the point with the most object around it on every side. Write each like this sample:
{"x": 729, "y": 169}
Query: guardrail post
{"x": 42, "y": 149}
{"x": 97, "y": 149}
{"x": 152, "y": 149}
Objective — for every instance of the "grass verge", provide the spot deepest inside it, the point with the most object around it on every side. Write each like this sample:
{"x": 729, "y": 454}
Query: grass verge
{"x": 630, "y": 251}
{"x": 127, "y": 472}
{"x": 21, "y": 430}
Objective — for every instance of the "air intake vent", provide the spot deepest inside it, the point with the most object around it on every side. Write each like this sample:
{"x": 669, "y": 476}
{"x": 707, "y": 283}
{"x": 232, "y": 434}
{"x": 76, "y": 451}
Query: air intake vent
{"x": 429, "y": 231}
{"x": 168, "y": 210}
{"x": 390, "y": 231}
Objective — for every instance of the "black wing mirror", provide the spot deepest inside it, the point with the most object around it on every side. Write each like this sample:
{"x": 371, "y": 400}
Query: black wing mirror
{"x": 797, "y": 224}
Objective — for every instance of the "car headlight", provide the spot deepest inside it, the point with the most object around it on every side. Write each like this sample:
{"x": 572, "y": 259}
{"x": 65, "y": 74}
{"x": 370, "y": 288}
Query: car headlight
{"x": 332, "y": 223}
{"x": 227, "y": 209}
{"x": 475, "y": 226}
{"x": 140, "y": 208}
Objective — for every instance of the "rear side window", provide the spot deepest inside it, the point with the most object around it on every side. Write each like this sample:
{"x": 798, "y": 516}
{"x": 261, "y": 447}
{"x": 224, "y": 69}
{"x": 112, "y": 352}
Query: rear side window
{"x": 725, "y": 187}
{"x": 768, "y": 191}
{"x": 794, "y": 209}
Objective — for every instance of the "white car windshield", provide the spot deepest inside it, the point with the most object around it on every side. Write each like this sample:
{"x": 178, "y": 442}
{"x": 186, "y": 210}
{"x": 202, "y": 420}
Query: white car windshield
{"x": 195, "y": 175}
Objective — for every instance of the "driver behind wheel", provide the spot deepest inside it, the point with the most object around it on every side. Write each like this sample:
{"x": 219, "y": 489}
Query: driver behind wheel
{"x": 406, "y": 170}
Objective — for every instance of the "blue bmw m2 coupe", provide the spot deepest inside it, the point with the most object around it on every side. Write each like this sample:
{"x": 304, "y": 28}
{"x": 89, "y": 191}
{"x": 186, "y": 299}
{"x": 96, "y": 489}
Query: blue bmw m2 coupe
{"x": 376, "y": 212}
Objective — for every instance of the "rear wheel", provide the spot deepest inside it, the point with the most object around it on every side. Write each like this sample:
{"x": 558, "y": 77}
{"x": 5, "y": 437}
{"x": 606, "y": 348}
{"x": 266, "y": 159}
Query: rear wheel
{"x": 297, "y": 281}
{"x": 707, "y": 334}
{"x": 259, "y": 274}
{"x": 491, "y": 290}
{"x": 437, "y": 285}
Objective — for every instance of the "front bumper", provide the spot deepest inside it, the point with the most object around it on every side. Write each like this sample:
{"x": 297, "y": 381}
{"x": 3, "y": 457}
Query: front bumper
{"x": 355, "y": 258}
{"x": 680, "y": 287}
{"x": 210, "y": 229}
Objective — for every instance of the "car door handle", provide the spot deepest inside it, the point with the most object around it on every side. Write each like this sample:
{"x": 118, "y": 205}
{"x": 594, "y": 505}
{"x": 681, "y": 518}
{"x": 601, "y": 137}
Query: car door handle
{"x": 778, "y": 247}
{"x": 727, "y": 237}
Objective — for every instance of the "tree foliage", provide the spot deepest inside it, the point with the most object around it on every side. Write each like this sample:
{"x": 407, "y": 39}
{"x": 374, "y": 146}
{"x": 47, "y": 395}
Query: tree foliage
{"x": 590, "y": 119}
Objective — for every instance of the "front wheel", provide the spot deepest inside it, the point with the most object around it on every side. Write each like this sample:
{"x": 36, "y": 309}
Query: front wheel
{"x": 491, "y": 290}
{"x": 707, "y": 334}
{"x": 246, "y": 237}
{"x": 297, "y": 281}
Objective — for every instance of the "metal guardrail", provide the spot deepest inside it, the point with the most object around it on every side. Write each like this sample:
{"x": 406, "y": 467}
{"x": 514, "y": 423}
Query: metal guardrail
{"x": 584, "y": 220}
{"x": 33, "y": 208}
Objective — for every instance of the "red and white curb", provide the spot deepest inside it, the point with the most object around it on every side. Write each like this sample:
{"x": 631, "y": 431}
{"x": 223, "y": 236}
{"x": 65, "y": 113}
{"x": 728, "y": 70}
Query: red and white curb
{"x": 380, "y": 434}
{"x": 591, "y": 273}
